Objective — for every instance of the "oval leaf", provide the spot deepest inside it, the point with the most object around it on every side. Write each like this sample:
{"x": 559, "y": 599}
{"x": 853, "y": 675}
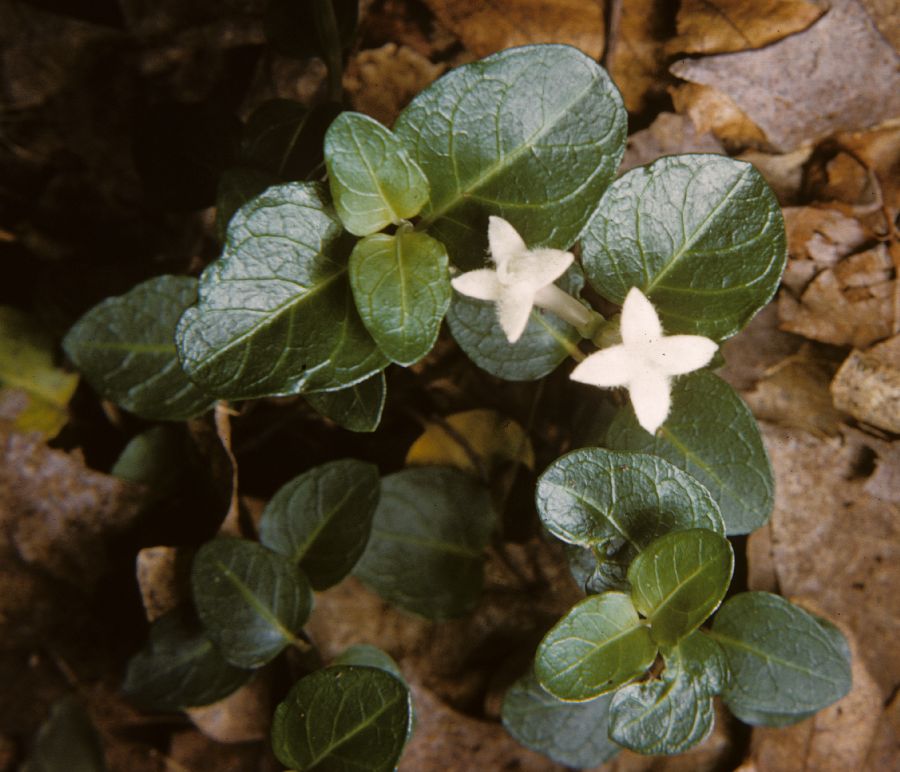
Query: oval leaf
{"x": 374, "y": 181}
{"x": 275, "y": 314}
{"x": 711, "y": 434}
{"x": 595, "y": 648}
{"x": 322, "y": 519}
{"x": 342, "y": 719}
{"x": 700, "y": 235}
{"x": 250, "y": 600}
{"x": 532, "y": 134}
{"x": 401, "y": 285}
{"x": 357, "y": 408}
{"x": 426, "y": 551}
{"x": 67, "y": 740}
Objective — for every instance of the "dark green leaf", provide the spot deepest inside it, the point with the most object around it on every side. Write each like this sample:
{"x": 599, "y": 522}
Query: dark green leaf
{"x": 368, "y": 656}
{"x": 275, "y": 314}
{"x": 67, "y": 740}
{"x": 701, "y": 235}
{"x": 595, "y": 648}
{"x": 357, "y": 408}
{"x": 570, "y": 733}
{"x": 601, "y": 567}
{"x": 237, "y": 186}
{"x": 711, "y": 434}
{"x": 782, "y": 660}
{"x": 532, "y": 134}
{"x": 322, "y": 519}
{"x": 125, "y": 346}
{"x": 180, "y": 667}
{"x": 251, "y": 601}
{"x": 401, "y": 285}
{"x": 342, "y": 719}
{"x": 426, "y": 551}
{"x": 679, "y": 580}
{"x": 292, "y": 29}
{"x": 155, "y": 458}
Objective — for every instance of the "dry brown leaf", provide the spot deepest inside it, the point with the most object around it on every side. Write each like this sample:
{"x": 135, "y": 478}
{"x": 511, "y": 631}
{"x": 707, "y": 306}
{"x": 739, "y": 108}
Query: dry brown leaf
{"x": 635, "y": 57}
{"x": 487, "y": 26}
{"x": 822, "y": 235}
{"x": 867, "y": 386}
{"x": 839, "y": 75}
{"x": 158, "y": 580}
{"x": 783, "y": 172}
{"x": 884, "y": 14}
{"x": 669, "y": 134}
{"x": 242, "y": 716}
{"x": 885, "y": 751}
{"x": 720, "y": 26}
{"x": 713, "y": 111}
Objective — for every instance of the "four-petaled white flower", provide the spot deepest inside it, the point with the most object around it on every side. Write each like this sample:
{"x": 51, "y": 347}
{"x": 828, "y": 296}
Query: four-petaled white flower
{"x": 645, "y": 361}
{"x": 522, "y": 278}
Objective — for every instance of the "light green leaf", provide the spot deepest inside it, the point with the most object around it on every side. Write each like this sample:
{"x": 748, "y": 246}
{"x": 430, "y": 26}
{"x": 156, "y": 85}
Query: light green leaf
{"x": 275, "y": 314}
{"x": 783, "y": 661}
{"x": 342, "y": 719}
{"x": 532, "y": 134}
{"x": 595, "y": 648}
{"x": 679, "y": 580}
{"x": 570, "y": 733}
{"x": 374, "y": 180}
{"x": 711, "y": 434}
{"x": 237, "y": 186}
{"x": 321, "y": 520}
{"x": 401, "y": 285}
{"x": 125, "y": 347}
{"x": 251, "y": 601}
{"x": 357, "y": 408}
{"x": 701, "y": 235}
{"x": 426, "y": 552}
{"x": 67, "y": 740}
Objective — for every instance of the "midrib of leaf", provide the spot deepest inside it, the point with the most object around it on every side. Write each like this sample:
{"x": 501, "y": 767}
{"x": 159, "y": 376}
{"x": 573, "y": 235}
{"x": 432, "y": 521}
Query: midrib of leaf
{"x": 697, "y": 461}
{"x": 597, "y": 508}
{"x": 669, "y": 685}
{"x": 681, "y": 584}
{"x": 435, "y": 544}
{"x": 374, "y": 177}
{"x": 345, "y": 738}
{"x": 320, "y": 526}
{"x": 254, "y": 602}
{"x": 186, "y": 656}
{"x": 597, "y": 647}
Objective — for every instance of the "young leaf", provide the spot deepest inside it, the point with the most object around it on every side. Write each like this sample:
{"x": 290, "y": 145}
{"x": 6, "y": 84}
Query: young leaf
{"x": 322, "y": 519}
{"x": 532, "y": 134}
{"x": 711, "y": 434}
{"x": 342, "y": 718}
{"x": 600, "y": 567}
{"x": 275, "y": 314}
{"x": 125, "y": 347}
{"x": 357, "y": 408}
{"x": 700, "y": 235}
{"x": 426, "y": 551}
{"x": 374, "y": 181}
{"x": 236, "y": 187}
{"x": 595, "y": 648}
{"x": 570, "y": 733}
{"x": 66, "y": 740}
{"x": 180, "y": 667}
{"x": 401, "y": 285}
{"x": 679, "y": 580}
{"x": 783, "y": 661}
{"x": 251, "y": 601}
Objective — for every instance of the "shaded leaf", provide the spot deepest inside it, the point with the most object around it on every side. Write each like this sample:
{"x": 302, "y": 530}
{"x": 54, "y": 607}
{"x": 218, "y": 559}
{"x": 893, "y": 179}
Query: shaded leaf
{"x": 366, "y": 655}
{"x": 155, "y": 458}
{"x": 66, "y": 740}
{"x": 357, "y": 408}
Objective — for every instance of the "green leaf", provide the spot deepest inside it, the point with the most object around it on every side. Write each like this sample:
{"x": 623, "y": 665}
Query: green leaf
{"x": 368, "y": 656}
{"x": 401, "y": 285}
{"x": 342, "y": 719}
{"x": 701, "y": 235}
{"x": 783, "y": 661}
{"x": 426, "y": 551}
{"x": 357, "y": 408}
{"x": 373, "y": 179}
{"x": 67, "y": 740}
{"x": 570, "y": 733}
{"x": 600, "y": 567}
{"x": 125, "y": 347}
{"x": 179, "y": 667}
{"x": 237, "y": 186}
{"x": 679, "y": 580}
{"x": 275, "y": 314}
{"x": 533, "y": 134}
{"x": 595, "y": 648}
{"x": 711, "y": 434}
{"x": 155, "y": 458}
{"x": 546, "y": 342}
{"x": 251, "y": 601}
{"x": 322, "y": 519}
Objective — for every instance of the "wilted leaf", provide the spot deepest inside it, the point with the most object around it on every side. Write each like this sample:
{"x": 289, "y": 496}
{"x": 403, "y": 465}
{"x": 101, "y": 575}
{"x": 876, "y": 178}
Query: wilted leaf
{"x": 636, "y": 56}
{"x": 357, "y": 408}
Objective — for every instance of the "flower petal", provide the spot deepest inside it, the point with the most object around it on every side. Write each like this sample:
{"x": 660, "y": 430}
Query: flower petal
{"x": 640, "y": 322}
{"x": 680, "y": 354}
{"x": 513, "y": 309}
{"x": 651, "y": 398}
{"x": 536, "y": 268}
{"x": 614, "y": 366}
{"x": 482, "y": 284}
{"x": 505, "y": 242}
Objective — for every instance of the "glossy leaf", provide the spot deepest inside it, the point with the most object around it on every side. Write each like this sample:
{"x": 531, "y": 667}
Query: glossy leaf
{"x": 342, "y": 718}
{"x": 401, "y": 286}
{"x": 425, "y": 554}
{"x": 374, "y": 181}
{"x": 67, "y": 740}
{"x": 711, "y": 434}
{"x": 701, "y": 235}
{"x": 599, "y": 568}
{"x": 125, "y": 347}
{"x": 251, "y": 601}
{"x": 783, "y": 661}
{"x": 237, "y": 186}
{"x": 179, "y": 667}
{"x": 532, "y": 134}
{"x": 357, "y": 408}
{"x": 595, "y": 648}
{"x": 321, "y": 520}
{"x": 275, "y": 314}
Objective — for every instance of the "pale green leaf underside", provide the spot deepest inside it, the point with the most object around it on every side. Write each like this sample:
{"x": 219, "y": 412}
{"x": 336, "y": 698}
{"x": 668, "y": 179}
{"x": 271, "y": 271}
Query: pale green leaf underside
{"x": 357, "y": 408}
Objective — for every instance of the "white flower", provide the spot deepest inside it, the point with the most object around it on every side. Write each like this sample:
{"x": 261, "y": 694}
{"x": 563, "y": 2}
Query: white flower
{"x": 645, "y": 361}
{"x": 522, "y": 279}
